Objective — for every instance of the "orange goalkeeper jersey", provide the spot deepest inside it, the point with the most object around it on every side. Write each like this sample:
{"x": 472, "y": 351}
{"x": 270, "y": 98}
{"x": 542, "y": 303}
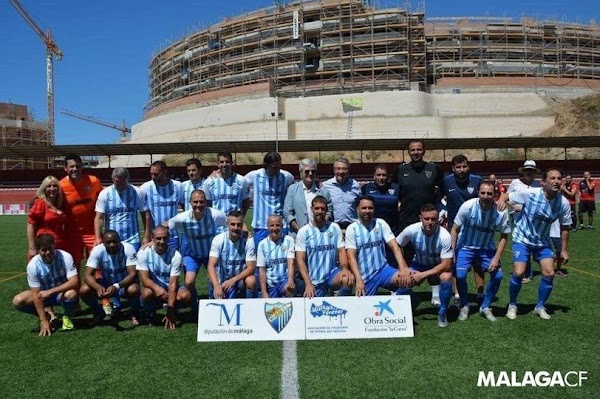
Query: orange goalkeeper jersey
{"x": 80, "y": 199}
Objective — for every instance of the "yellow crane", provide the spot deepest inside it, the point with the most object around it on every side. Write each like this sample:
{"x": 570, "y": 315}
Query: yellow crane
{"x": 125, "y": 131}
{"x": 51, "y": 51}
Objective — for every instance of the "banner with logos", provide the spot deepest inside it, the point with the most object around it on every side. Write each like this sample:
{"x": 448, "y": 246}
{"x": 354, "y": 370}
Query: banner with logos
{"x": 12, "y": 209}
{"x": 381, "y": 316}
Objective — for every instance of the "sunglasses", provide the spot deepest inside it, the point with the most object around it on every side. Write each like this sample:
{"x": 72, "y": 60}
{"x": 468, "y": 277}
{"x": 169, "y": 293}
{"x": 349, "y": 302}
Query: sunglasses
{"x": 308, "y": 172}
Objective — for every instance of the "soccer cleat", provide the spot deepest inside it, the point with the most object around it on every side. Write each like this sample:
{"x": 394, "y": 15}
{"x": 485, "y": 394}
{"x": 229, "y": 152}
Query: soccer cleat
{"x": 435, "y": 301}
{"x": 590, "y": 227}
{"x": 464, "y": 313}
{"x": 542, "y": 313}
{"x": 487, "y": 313}
{"x": 107, "y": 307}
{"x": 67, "y": 323}
{"x": 511, "y": 313}
{"x": 526, "y": 280}
{"x": 442, "y": 321}
{"x": 580, "y": 227}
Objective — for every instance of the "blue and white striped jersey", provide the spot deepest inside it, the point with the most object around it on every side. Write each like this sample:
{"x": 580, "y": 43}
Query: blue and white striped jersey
{"x": 160, "y": 267}
{"x": 161, "y": 201}
{"x": 187, "y": 187}
{"x": 199, "y": 233}
{"x": 429, "y": 250}
{"x": 120, "y": 211}
{"x": 227, "y": 194}
{"x": 113, "y": 267}
{"x": 478, "y": 226}
{"x": 269, "y": 195}
{"x": 232, "y": 256}
{"x": 274, "y": 256}
{"x": 321, "y": 247}
{"x": 46, "y": 276}
{"x": 369, "y": 243}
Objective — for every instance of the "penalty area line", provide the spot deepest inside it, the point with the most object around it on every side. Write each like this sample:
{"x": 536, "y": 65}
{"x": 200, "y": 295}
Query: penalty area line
{"x": 21, "y": 274}
{"x": 289, "y": 371}
{"x": 581, "y": 271}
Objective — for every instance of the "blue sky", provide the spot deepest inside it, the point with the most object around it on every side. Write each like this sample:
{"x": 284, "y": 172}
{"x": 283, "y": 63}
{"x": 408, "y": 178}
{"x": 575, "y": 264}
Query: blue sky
{"x": 108, "y": 45}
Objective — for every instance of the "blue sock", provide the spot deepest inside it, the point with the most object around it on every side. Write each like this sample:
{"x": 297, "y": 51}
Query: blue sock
{"x": 345, "y": 291}
{"x": 513, "y": 289}
{"x": 194, "y": 304}
{"x": 463, "y": 287}
{"x": 491, "y": 288}
{"x": 251, "y": 293}
{"x": 445, "y": 295}
{"x": 116, "y": 302}
{"x": 544, "y": 290}
{"x": 69, "y": 307}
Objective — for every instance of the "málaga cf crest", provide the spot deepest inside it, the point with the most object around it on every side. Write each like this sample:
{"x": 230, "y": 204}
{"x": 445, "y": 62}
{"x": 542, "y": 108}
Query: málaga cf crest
{"x": 278, "y": 314}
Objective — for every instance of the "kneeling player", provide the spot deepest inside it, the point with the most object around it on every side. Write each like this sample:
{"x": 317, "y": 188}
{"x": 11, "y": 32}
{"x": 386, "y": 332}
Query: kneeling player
{"x": 116, "y": 261}
{"x": 160, "y": 267}
{"x": 317, "y": 245}
{"x": 231, "y": 262}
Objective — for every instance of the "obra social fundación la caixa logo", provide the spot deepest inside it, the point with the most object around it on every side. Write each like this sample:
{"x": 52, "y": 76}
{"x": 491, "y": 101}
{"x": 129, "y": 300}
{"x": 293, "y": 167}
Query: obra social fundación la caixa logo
{"x": 384, "y": 318}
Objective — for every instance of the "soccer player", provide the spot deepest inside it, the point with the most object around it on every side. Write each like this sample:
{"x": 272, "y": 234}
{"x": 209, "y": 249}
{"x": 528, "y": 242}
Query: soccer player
{"x": 117, "y": 209}
{"x": 159, "y": 268}
{"x": 570, "y": 190}
{"x": 161, "y": 197}
{"x": 270, "y": 186}
{"x": 193, "y": 168}
{"x": 344, "y": 191}
{"x": 317, "y": 246}
{"x": 275, "y": 261}
{"x": 296, "y": 209}
{"x": 226, "y": 190}
{"x": 365, "y": 246}
{"x": 199, "y": 226}
{"x": 473, "y": 241}
{"x": 52, "y": 280}
{"x": 539, "y": 209}
{"x": 231, "y": 262}
{"x": 433, "y": 256}
{"x": 81, "y": 191}
{"x": 587, "y": 200}
{"x": 117, "y": 261}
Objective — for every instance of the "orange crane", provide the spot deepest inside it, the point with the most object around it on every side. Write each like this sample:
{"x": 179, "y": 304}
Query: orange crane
{"x": 125, "y": 131}
{"x": 51, "y": 51}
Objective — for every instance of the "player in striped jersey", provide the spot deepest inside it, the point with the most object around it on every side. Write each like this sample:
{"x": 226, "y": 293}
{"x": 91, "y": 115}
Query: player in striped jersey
{"x": 117, "y": 209}
{"x": 52, "y": 280}
{"x": 231, "y": 262}
{"x": 159, "y": 267}
{"x": 226, "y": 190}
{"x": 199, "y": 226}
{"x": 318, "y": 243}
{"x": 161, "y": 197}
{"x": 193, "y": 168}
{"x": 433, "y": 256}
{"x": 531, "y": 236}
{"x": 269, "y": 187}
{"x": 117, "y": 261}
{"x": 275, "y": 261}
{"x": 472, "y": 234}
{"x": 365, "y": 246}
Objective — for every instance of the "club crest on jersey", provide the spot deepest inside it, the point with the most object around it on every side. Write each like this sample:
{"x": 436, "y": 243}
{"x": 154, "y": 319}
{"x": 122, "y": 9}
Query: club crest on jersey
{"x": 278, "y": 314}
{"x": 329, "y": 234}
{"x": 428, "y": 173}
{"x": 470, "y": 189}
{"x": 391, "y": 191}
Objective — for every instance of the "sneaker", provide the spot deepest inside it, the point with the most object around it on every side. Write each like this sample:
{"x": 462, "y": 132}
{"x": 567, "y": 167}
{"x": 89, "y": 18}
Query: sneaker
{"x": 435, "y": 301}
{"x": 526, "y": 280}
{"x": 487, "y": 313}
{"x": 542, "y": 313}
{"x": 560, "y": 273}
{"x": 580, "y": 227}
{"x": 590, "y": 227}
{"x": 442, "y": 321}
{"x": 67, "y": 324}
{"x": 107, "y": 307}
{"x": 511, "y": 313}
{"x": 464, "y": 313}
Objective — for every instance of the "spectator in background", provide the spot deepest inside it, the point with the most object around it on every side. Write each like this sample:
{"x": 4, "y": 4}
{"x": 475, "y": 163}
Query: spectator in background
{"x": 587, "y": 200}
{"x": 570, "y": 190}
{"x": 344, "y": 191}
{"x": 499, "y": 187}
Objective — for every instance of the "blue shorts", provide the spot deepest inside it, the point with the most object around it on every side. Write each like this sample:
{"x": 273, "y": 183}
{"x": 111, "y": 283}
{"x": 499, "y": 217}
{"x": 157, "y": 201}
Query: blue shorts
{"x": 323, "y": 288}
{"x": 382, "y": 279}
{"x": 173, "y": 239}
{"x": 192, "y": 264}
{"x": 467, "y": 257}
{"x": 238, "y": 291}
{"x": 418, "y": 267}
{"x": 521, "y": 252}
{"x": 557, "y": 243}
{"x": 278, "y": 290}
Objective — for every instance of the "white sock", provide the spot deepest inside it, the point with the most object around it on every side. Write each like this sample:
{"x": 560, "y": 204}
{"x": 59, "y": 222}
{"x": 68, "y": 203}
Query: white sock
{"x": 435, "y": 291}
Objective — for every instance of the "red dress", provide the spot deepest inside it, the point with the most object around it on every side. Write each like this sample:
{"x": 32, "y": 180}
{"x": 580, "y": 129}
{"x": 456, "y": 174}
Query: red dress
{"x": 47, "y": 221}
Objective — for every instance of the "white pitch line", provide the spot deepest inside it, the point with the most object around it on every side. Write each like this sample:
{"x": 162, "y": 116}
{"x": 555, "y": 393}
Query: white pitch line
{"x": 289, "y": 371}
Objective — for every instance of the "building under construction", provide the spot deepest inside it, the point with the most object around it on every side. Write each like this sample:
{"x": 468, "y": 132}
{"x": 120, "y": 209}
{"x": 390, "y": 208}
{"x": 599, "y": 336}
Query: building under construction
{"x": 17, "y": 127}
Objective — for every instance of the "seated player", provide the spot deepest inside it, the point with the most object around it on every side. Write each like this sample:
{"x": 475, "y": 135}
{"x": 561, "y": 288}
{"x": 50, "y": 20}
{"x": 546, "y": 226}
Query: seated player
{"x": 433, "y": 256}
{"x": 473, "y": 241}
{"x": 231, "y": 262}
{"x": 275, "y": 261}
{"x": 52, "y": 280}
{"x": 365, "y": 246}
{"x": 159, "y": 267}
{"x": 317, "y": 245}
{"x": 116, "y": 261}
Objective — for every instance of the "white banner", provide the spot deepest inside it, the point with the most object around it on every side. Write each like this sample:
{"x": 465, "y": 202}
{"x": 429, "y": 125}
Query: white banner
{"x": 279, "y": 319}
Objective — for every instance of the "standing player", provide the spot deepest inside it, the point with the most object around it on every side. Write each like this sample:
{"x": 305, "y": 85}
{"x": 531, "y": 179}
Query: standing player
{"x": 473, "y": 241}
{"x": 161, "y": 196}
{"x": 365, "y": 246}
{"x": 433, "y": 256}
{"x": 117, "y": 261}
{"x": 193, "y": 168}
{"x": 570, "y": 190}
{"x": 199, "y": 226}
{"x": 52, "y": 280}
{"x": 226, "y": 190}
{"x": 587, "y": 200}
{"x": 159, "y": 267}
{"x": 317, "y": 246}
{"x": 344, "y": 191}
{"x": 117, "y": 209}
{"x": 275, "y": 261}
{"x": 231, "y": 262}
{"x": 81, "y": 191}
{"x": 540, "y": 208}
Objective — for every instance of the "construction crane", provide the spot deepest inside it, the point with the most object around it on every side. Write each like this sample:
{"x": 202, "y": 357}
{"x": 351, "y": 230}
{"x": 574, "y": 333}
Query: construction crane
{"x": 125, "y": 131}
{"x": 51, "y": 51}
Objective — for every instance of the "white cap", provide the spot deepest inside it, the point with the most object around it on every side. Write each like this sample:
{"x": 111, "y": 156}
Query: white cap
{"x": 529, "y": 164}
